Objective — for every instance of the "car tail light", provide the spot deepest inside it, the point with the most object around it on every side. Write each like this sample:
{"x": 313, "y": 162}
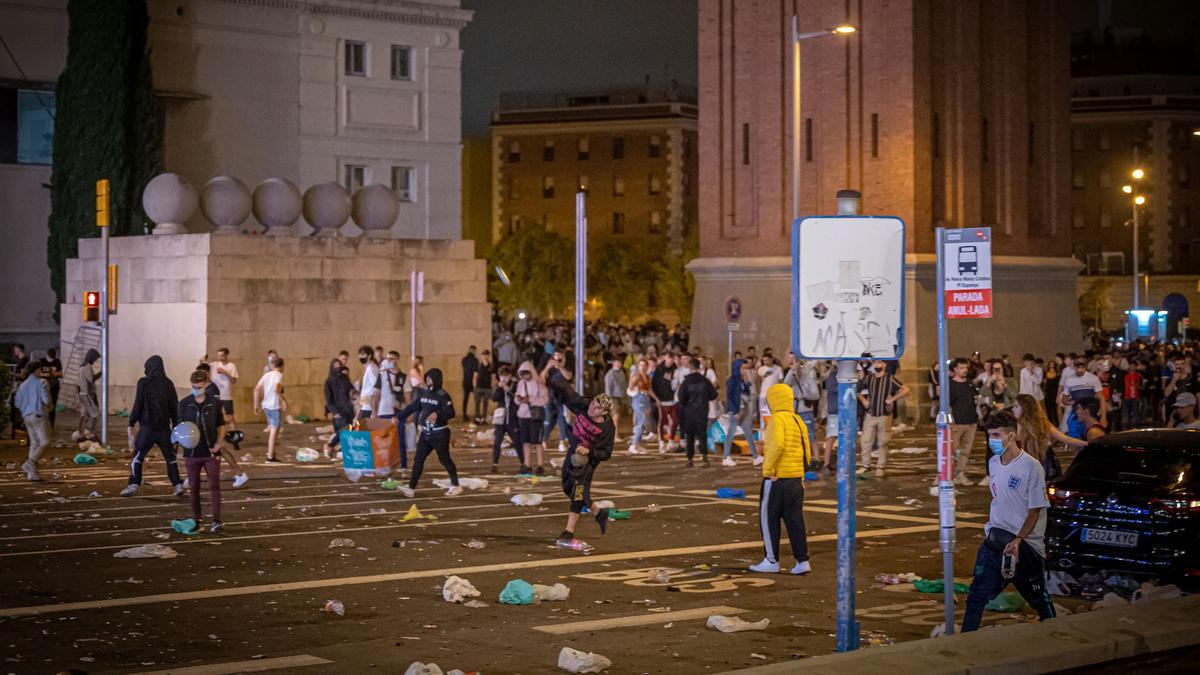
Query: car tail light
{"x": 1061, "y": 495}
{"x": 1177, "y": 506}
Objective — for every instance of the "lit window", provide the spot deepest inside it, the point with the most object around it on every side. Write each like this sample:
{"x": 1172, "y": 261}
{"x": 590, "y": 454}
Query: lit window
{"x": 356, "y": 176}
{"x": 618, "y": 223}
{"x": 514, "y": 152}
{"x": 655, "y": 147}
{"x": 35, "y": 127}
{"x": 618, "y": 186}
{"x": 548, "y": 152}
{"x": 548, "y": 187}
{"x": 583, "y": 148}
{"x": 401, "y": 63}
{"x": 403, "y": 183}
{"x": 655, "y": 221}
{"x": 356, "y": 58}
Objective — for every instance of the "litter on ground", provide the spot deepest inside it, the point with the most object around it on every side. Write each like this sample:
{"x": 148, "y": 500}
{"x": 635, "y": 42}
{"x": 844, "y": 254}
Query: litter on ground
{"x": 517, "y": 592}
{"x": 341, "y": 543}
{"x": 733, "y": 624}
{"x": 334, "y": 607}
{"x": 553, "y": 593}
{"x": 575, "y": 661}
{"x": 529, "y": 499}
{"x": 457, "y": 589}
{"x": 147, "y": 551}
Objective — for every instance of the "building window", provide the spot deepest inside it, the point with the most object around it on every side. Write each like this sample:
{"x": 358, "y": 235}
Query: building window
{"x": 985, "y": 140}
{"x": 655, "y": 221}
{"x": 1105, "y": 218}
{"x": 356, "y": 176}
{"x": 1077, "y": 139}
{"x": 655, "y": 147}
{"x": 808, "y": 139}
{"x": 618, "y": 148}
{"x": 937, "y": 136}
{"x": 1185, "y": 178}
{"x": 356, "y": 58}
{"x": 514, "y": 190}
{"x": 1105, "y": 179}
{"x": 618, "y": 223}
{"x": 26, "y": 126}
{"x": 1105, "y": 139}
{"x": 583, "y": 151}
{"x": 583, "y": 183}
{"x": 403, "y": 183}
{"x": 655, "y": 185}
{"x": 746, "y": 143}
{"x": 618, "y": 186}
{"x": 1077, "y": 219}
{"x": 514, "y": 152}
{"x": 875, "y": 135}
{"x": 514, "y": 224}
{"x": 548, "y": 187}
{"x": 548, "y": 151}
{"x": 1077, "y": 180}
{"x": 401, "y": 62}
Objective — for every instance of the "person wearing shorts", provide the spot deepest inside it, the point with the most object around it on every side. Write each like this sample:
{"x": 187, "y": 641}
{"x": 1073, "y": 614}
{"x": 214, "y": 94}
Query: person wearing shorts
{"x": 225, "y": 375}
{"x": 269, "y": 400}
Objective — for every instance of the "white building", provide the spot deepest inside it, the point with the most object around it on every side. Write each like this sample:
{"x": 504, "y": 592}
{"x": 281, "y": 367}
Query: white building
{"x": 353, "y": 91}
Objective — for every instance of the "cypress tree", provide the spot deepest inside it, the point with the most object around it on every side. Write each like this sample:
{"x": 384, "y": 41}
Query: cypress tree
{"x": 108, "y": 125}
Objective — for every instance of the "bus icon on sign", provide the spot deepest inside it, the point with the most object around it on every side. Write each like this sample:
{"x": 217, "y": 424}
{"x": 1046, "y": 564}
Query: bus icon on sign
{"x": 968, "y": 260}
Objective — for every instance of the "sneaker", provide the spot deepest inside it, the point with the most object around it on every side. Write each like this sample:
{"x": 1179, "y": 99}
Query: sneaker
{"x": 690, "y": 464}
{"x": 759, "y": 460}
{"x": 495, "y": 468}
{"x": 186, "y": 484}
{"x": 802, "y": 568}
{"x": 574, "y": 545}
{"x": 706, "y": 464}
{"x": 240, "y": 479}
{"x": 766, "y": 567}
{"x": 130, "y": 490}
{"x": 274, "y": 460}
{"x": 635, "y": 450}
{"x": 566, "y": 535}
{"x": 879, "y": 473}
{"x": 662, "y": 447}
{"x": 30, "y": 470}
{"x": 454, "y": 491}
{"x": 562, "y": 446}
{"x": 216, "y": 526}
{"x": 407, "y": 491}
{"x": 728, "y": 461}
{"x": 524, "y": 471}
{"x": 540, "y": 471}
{"x": 179, "y": 490}
{"x": 650, "y": 436}
{"x": 962, "y": 479}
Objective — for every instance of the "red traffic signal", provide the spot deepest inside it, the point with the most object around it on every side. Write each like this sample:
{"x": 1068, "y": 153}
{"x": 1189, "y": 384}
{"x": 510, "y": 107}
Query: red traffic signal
{"x": 91, "y": 305}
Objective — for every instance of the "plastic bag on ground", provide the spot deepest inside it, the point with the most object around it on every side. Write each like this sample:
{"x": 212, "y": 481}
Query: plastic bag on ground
{"x": 893, "y": 579}
{"x": 389, "y": 484}
{"x": 575, "y": 661}
{"x": 603, "y": 504}
{"x": 246, "y": 458}
{"x": 658, "y": 576}
{"x": 937, "y": 586}
{"x": 341, "y": 543}
{"x": 1008, "y": 601}
{"x": 731, "y": 493}
{"x": 418, "y": 668}
{"x": 328, "y": 429}
{"x": 307, "y": 455}
{"x": 517, "y": 592}
{"x": 415, "y": 514}
{"x": 185, "y": 526}
{"x": 733, "y": 624}
{"x": 464, "y": 483}
{"x": 84, "y": 458}
{"x": 527, "y": 499}
{"x": 147, "y": 551}
{"x": 653, "y": 508}
{"x": 334, "y": 607}
{"x": 1150, "y": 592}
{"x": 1110, "y": 600}
{"x": 1060, "y": 583}
{"x": 618, "y": 514}
{"x": 457, "y": 589}
{"x": 551, "y": 593}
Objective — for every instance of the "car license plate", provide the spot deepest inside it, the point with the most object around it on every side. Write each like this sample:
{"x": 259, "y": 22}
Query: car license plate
{"x": 1110, "y": 537}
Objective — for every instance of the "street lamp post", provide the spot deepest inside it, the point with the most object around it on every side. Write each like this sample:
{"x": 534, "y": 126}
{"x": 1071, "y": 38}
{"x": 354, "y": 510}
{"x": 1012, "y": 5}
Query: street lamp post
{"x": 797, "y": 37}
{"x": 1138, "y": 199}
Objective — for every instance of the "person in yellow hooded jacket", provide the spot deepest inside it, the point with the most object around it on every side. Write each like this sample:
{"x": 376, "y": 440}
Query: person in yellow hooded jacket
{"x": 787, "y": 454}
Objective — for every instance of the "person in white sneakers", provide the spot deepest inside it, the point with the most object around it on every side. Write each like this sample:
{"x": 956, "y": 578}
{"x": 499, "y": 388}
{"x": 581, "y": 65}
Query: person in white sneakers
{"x": 225, "y": 375}
{"x": 269, "y": 400}
{"x": 155, "y": 413}
{"x": 33, "y": 402}
{"x": 639, "y": 400}
{"x": 787, "y": 453}
{"x": 741, "y": 399}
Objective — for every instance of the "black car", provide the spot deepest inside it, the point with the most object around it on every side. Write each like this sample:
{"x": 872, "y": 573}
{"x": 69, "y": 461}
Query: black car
{"x": 1130, "y": 503}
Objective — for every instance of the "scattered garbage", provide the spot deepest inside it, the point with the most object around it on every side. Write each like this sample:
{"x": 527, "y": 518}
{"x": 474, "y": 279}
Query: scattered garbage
{"x": 475, "y": 604}
{"x": 84, "y": 458}
{"x": 604, "y": 504}
{"x": 147, "y": 551}
{"x": 658, "y": 576}
{"x": 758, "y": 656}
{"x": 553, "y": 593}
{"x": 160, "y": 535}
{"x": 575, "y": 661}
{"x": 334, "y": 607}
{"x": 474, "y": 543}
{"x": 130, "y": 580}
{"x": 911, "y": 451}
{"x": 464, "y": 483}
{"x": 293, "y": 420}
{"x": 618, "y": 514}
{"x": 878, "y": 638}
{"x": 389, "y": 484}
{"x": 893, "y": 579}
{"x": 307, "y": 455}
{"x": 93, "y": 493}
{"x": 1061, "y": 583}
{"x": 1150, "y": 592}
{"x": 811, "y": 476}
{"x": 341, "y": 543}
{"x": 457, "y": 589}
{"x": 377, "y": 512}
{"x": 653, "y": 508}
{"x": 1110, "y": 600}
{"x": 184, "y": 526}
{"x": 414, "y": 513}
{"x": 327, "y": 429}
{"x": 912, "y": 501}
{"x": 1008, "y": 601}
{"x": 940, "y": 630}
{"x": 418, "y": 668}
{"x": 733, "y": 624}
{"x": 517, "y": 592}
{"x": 246, "y": 458}
{"x": 529, "y": 499}
{"x": 937, "y": 586}
{"x": 731, "y": 493}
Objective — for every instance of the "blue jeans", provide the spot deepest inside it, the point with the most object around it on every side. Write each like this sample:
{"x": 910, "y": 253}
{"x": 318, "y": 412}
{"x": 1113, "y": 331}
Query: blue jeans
{"x": 745, "y": 424}
{"x": 641, "y": 409}
{"x": 554, "y": 411}
{"x": 1030, "y": 580}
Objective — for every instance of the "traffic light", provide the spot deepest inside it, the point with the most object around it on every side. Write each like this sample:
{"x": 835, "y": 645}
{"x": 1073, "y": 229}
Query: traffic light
{"x": 102, "y": 203}
{"x": 91, "y": 306}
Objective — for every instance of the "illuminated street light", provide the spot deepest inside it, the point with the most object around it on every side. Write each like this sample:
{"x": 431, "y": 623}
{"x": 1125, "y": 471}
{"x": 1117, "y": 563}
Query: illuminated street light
{"x": 1127, "y": 189}
{"x": 846, "y": 29}
{"x": 1139, "y": 200}
{"x": 1138, "y": 174}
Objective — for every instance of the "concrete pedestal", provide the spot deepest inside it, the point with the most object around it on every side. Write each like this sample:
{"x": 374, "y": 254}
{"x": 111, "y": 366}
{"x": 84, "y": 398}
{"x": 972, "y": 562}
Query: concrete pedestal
{"x": 183, "y": 296}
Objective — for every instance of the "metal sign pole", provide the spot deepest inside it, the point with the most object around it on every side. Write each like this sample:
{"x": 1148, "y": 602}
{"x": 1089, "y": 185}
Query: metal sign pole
{"x": 104, "y": 342}
{"x": 847, "y": 378}
{"x": 946, "y": 499}
{"x": 580, "y": 284}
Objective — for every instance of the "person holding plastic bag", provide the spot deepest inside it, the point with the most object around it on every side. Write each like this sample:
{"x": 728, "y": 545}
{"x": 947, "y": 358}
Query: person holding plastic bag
{"x": 203, "y": 450}
{"x": 591, "y": 442}
{"x": 434, "y": 410}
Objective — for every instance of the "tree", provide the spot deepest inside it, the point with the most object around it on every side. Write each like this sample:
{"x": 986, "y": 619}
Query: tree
{"x": 620, "y": 277}
{"x": 108, "y": 124}
{"x": 1096, "y": 301}
{"x": 540, "y": 266}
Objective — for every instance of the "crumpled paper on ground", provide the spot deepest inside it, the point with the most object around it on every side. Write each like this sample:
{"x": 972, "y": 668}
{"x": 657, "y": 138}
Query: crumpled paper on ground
{"x": 527, "y": 499}
{"x": 658, "y": 576}
{"x": 147, "y": 551}
{"x": 551, "y": 593}
{"x": 733, "y": 624}
{"x": 457, "y": 589}
{"x": 464, "y": 483}
{"x": 341, "y": 543}
{"x": 575, "y": 661}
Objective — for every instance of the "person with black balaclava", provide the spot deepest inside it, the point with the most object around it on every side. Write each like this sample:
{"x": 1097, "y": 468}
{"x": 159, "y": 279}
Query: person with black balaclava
{"x": 89, "y": 404}
{"x": 434, "y": 410}
{"x": 337, "y": 403}
{"x": 504, "y": 418}
{"x": 155, "y": 412}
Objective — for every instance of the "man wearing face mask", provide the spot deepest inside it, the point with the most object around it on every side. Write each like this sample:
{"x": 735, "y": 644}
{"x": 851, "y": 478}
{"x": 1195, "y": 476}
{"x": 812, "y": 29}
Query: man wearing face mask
{"x": 337, "y": 403}
{"x": 203, "y": 408}
{"x": 878, "y": 392}
{"x": 1015, "y": 528}
{"x": 369, "y": 388}
{"x": 434, "y": 410}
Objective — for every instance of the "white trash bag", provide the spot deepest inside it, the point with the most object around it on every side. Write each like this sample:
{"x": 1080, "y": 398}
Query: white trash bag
{"x": 551, "y": 593}
{"x": 457, "y": 589}
{"x": 732, "y": 624}
{"x": 575, "y": 661}
{"x": 527, "y": 499}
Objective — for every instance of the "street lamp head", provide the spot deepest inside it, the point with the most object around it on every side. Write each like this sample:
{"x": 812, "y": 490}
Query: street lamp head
{"x": 844, "y": 29}
{"x": 1138, "y": 174}
{"x": 1139, "y": 200}
{"x": 1127, "y": 189}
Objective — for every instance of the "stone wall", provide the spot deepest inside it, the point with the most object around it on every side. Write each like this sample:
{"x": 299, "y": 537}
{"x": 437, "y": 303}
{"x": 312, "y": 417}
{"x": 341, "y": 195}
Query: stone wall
{"x": 183, "y": 296}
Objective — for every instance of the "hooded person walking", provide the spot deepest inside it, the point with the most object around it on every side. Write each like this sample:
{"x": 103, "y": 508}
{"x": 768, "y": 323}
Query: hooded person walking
{"x": 338, "y": 405}
{"x": 434, "y": 410}
{"x": 591, "y": 442}
{"x": 155, "y": 412}
{"x": 787, "y": 454}
{"x": 694, "y": 394}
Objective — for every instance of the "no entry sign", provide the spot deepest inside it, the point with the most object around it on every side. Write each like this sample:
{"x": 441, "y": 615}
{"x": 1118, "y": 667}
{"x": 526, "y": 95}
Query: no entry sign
{"x": 968, "y": 273}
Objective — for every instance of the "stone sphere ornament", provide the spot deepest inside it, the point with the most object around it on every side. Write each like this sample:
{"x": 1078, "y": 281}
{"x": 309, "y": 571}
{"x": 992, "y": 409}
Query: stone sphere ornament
{"x": 375, "y": 209}
{"x": 276, "y": 203}
{"x": 169, "y": 200}
{"x": 226, "y": 203}
{"x": 326, "y": 206}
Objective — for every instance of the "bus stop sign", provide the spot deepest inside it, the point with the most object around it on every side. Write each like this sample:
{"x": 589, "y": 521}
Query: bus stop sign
{"x": 968, "y": 270}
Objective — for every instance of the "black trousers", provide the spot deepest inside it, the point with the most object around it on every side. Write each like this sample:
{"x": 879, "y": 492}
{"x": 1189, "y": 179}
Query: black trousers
{"x": 146, "y": 439}
{"x": 1030, "y": 580}
{"x": 498, "y": 431}
{"x": 783, "y": 500}
{"x": 694, "y": 430}
{"x": 439, "y": 442}
{"x": 466, "y": 411}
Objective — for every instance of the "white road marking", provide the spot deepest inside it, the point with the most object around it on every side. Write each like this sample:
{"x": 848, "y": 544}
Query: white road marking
{"x": 889, "y": 507}
{"x": 648, "y": 619}
{"x": 650, "y": 487}
{"x": 238, "y": 591}
{"x": 251, "y": 666}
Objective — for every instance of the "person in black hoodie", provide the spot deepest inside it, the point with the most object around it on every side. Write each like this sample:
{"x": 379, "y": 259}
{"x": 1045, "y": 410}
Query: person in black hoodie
{"x": 591, "y": 436}
{"x": 155, "y": 412}
{"x": 504, "y": 418}
{"x": 203, "y": 408}
{"x": 338, "y": 403}
{"x": 694, "y": 394}
{"x": 434, "y": 410}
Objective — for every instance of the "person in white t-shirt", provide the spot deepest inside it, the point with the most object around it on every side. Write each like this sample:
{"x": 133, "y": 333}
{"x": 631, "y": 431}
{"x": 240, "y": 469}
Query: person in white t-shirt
{"x": 225, "y": 375}
{"x": 1032, "y": 378}
{"x": 369, "y": 392}
{"x": 769, "y": 374}
{"x": 1078, "y": 384}
{"x": 1016, "y": 526}
{"x": 269, "y": 399}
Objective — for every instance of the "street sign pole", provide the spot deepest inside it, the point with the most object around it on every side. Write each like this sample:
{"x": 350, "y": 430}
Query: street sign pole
{"x": 847, "y": 564}
{"x": 416, "y": 291}
{"x": 102, "y": 221}
{"x": 945, "y": 443}
{"x": 580, "y": 283}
